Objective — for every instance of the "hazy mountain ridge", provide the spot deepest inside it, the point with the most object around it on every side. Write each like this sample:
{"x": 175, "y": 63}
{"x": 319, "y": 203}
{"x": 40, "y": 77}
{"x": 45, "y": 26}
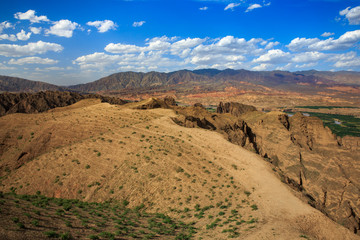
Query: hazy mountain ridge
{"x": 14, "y": 84}
{"x": 212, "y": 79}
{"x": 135, "y": 80}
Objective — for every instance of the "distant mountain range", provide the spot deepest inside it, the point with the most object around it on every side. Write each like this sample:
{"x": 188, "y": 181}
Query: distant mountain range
{"x": 14, "y": 84}
{"x": 208, "y": 79}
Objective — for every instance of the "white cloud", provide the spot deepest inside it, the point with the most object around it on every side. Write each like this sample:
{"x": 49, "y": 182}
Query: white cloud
{"x": 23, "y": 36}
{"x": 103, "y": 26}
{"x": 308, "y": 57}
{"x": 30, "y": 15}
{"x": 40, "y": 47}
{"x": 347, "y": 40}
{"x": 138, "y": 24}
{"x": 122, "y": 48}
{"x": 232, "y": 6}
{"x": 226, "y": 52}
{"x": 346, "y": 60}
{"x": 171, "y": 53}
{"x": 35, "y": 30}
{"x": 273, "y": 56}
{"x": 327, "y": 34}
{"x": 63, "y": 28}
{"x": 352, "y": 15}
{"x": 97, "y": 60}
{"x": 252, "y": 7}
{"x": 306, "y": 65}
{"x": 262, "y": 67}
{"x": 54, "y": 68}
{"x": 32, "y": 60}
{"x": 203, "y": 8}
{"x": 5, "y": 25}
{"x": 10, "y": 37}
{"x": 184, "y": 47}
{"x": 4, "y": 67}
{"x": 159, "y": 43}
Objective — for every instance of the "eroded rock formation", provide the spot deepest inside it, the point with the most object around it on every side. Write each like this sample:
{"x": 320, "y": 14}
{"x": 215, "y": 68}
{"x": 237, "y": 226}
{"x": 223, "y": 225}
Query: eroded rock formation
{"x": 304, "y": 153}
{"x": 234, "y": 108}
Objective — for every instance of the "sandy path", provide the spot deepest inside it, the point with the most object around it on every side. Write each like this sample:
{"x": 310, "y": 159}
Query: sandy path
{"x": 284, "y": 215}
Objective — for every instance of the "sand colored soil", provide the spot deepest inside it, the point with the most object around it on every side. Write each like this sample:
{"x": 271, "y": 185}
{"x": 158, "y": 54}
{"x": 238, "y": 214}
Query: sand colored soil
{"x": 96, "y": 151}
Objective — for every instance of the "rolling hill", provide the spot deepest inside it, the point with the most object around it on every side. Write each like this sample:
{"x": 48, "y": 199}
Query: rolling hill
{"x": 171, "y": 160}
{"x": 14, "y": 84}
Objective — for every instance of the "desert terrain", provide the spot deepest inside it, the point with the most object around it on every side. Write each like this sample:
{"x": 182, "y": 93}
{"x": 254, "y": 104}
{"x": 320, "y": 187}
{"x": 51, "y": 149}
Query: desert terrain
{"x": 96, "y": 152}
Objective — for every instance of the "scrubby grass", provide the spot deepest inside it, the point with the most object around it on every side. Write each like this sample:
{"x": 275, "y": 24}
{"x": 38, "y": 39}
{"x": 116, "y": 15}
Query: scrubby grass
{"x": 62, "y": 218}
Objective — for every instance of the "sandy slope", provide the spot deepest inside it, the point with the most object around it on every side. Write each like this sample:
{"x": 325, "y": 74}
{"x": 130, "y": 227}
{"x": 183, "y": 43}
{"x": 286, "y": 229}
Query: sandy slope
{"x": 128, "y": 140}
{"x": 285, "y": 216}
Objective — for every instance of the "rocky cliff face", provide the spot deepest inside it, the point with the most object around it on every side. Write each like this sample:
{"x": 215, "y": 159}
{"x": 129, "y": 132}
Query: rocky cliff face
{"x": 43, "y": 101}
{"x": 234, "y": 108}
{"x": 304, "y": 153}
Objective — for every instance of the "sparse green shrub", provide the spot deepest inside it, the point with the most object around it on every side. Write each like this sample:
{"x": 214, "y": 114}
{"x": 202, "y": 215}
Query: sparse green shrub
{"x": 35, "y": 223}
{"x": 93, "y": 237}
{"x": 66, "y": 236}
{"x": 254, "y": 207}
{"x": 51, "y": 234}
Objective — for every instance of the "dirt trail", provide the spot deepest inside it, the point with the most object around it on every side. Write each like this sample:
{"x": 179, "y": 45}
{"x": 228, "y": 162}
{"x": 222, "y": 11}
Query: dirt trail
{"x": 284, "y": 215}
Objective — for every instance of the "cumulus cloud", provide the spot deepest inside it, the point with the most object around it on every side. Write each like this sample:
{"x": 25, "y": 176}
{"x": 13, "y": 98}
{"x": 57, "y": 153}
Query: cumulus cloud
{"x": 122, "y": 48}
{"x": 5, "y": 25}
{"x": 97, "y": 60}
{"x": 345, "y": 41}
{"x": 63, "y": 28}
{"x": 327, "y": 34}
{"x": 273, "y": 56}
{"x": 308, "y": 57}
{"x": 30, "y": 15}
{"x": 226, "y": 52}
{"x": 40, "y": 47}
{"x": 138, "y": 24}
{"x": 352, "y": 15}
{"x": 261, "y": 67}
{"x": 203, "y": 8}
{"x": 35, "y": 30}
{"x": 346, "y": 60}
{"x": 252, "y": 7}
{"x": 103, "y": 26}
{"x": 231, "y": 6}
{"x": 32, "y": 60}
{"x": 10, "y": 37}
{"x": 23, "y": 36}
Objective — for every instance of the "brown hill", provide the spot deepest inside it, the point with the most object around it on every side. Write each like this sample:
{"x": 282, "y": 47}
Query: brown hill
{"x": 14, "y": 84}
{"x": 209, "y": 79}
{"x": 43, "y": 101}
{"x": 343, "y": 77}
{"x": 96, "y": 152}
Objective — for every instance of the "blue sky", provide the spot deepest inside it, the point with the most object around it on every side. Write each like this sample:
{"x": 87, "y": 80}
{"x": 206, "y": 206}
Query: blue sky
{"x": 72, "y": 42}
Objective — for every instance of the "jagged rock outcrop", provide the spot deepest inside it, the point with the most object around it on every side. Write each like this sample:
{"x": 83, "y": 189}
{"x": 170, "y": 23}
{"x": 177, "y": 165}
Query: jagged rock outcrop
{"x": 43, "y": 101}
{"x": 151, "y": 103}
{"x": 309, "y": 157}
{"x": 304, "y": 152}
{"x": 198, "y": 105}
{"x": 234, "y": 108}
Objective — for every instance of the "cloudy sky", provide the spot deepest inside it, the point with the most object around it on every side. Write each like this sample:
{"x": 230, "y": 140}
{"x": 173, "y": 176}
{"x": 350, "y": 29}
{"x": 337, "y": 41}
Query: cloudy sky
{"x": 71, "y": 42}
